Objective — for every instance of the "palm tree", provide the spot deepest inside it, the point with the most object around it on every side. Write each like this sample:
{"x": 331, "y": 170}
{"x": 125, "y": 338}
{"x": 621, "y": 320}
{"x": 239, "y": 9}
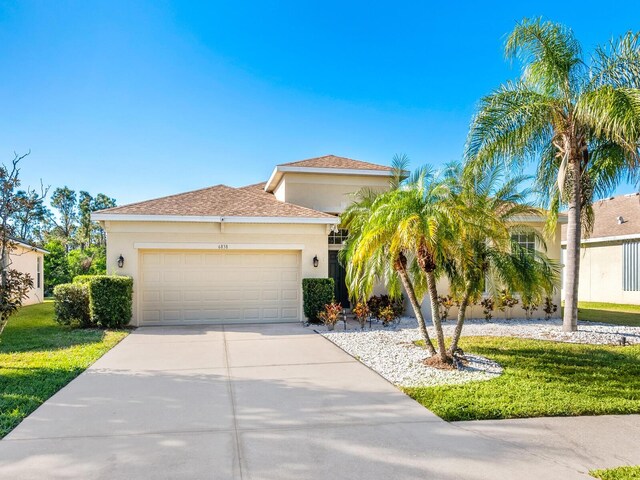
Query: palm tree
{"x": 487, "y": 210}
{"x": 579, "y": 121}
{"x": 367, "y": 256}
{"x": 403, "y": 234}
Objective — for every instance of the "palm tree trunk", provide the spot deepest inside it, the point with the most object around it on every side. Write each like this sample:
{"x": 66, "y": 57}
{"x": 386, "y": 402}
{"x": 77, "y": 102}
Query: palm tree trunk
{"x": 408, "y": 287}
{"x": 572, "y": 267}
{"x": 435, "y": 318}
{"x": 462, "y": 313}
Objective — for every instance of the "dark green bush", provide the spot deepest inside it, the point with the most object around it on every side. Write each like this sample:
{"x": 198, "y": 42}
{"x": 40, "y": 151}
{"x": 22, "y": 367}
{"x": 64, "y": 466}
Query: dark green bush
{"x": 378, "y": 303}
{"x": 110, "y": 298}
{"x": 72, "y": 304}
{"x": 316, "y": 293}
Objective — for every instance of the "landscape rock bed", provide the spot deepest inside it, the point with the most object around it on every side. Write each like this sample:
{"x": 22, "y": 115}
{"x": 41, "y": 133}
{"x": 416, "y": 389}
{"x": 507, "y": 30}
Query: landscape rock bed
{"x": 392, "y": 353}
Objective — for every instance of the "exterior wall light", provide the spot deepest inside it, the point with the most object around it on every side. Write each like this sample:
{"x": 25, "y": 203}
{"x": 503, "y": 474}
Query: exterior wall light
{"x": 315, "y": 261}
{"x": 120, "y": 261}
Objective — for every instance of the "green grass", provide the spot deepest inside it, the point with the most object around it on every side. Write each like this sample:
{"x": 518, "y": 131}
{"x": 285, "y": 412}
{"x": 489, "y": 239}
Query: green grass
{"x": 541, "y": 378}
{"x": 38, "y": 357}
{"x": 620, "y": 473}
{"x": 609, "y": 313}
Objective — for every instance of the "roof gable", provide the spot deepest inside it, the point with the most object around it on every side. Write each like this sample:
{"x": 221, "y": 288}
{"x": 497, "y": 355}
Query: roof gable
{"x": 327, "y": 164}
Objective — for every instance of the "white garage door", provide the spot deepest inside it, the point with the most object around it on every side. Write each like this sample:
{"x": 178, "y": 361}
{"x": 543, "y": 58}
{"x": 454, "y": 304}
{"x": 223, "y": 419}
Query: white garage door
{"x": 181, "y": 287}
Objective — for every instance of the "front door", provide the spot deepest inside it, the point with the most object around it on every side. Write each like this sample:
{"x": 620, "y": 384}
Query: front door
{"x": 337, "y": 272}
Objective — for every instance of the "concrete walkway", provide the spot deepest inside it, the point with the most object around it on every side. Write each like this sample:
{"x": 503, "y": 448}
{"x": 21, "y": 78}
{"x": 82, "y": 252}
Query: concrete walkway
{"x": 279, "y": 402}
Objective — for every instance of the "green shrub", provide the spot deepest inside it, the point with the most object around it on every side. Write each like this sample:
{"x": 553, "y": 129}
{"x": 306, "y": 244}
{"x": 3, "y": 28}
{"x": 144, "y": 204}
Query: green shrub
{"x": 83, "y": 278}
{"x": 378, "y": 303}
{"x": 316, "y": 293}
{"x": 110, "y": 298}
{"x": 72, "y": 304}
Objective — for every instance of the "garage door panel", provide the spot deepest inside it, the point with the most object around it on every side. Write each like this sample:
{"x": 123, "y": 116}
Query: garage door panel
{"x": 173, "y": 259}
{"x": 289, "y": 314}
{"x": 193, "y": 259}
{"x": 151, "y": 276}
{"x": 270, "y": 295}
{"x": 171, "y": 277}
{"x": 271, "y": 313}
{"x": 151, "y": 259}
{"x": 219, "y": 287}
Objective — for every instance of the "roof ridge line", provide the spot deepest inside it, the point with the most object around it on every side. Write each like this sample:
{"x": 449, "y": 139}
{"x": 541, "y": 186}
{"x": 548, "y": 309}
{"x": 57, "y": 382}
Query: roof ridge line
{"x": 166, "y": 197}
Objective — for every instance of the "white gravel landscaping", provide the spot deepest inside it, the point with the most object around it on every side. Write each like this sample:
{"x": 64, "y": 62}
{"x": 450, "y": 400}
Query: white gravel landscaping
{"x": 391, "y": 351}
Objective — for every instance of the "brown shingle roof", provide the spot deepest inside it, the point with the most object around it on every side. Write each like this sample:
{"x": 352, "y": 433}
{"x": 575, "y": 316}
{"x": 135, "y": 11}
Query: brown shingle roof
{"x": 219, "y": 200}
{"x": 255, "y": 186}
{"x": 332, "y": 161}
{"x": 606, "y": 213}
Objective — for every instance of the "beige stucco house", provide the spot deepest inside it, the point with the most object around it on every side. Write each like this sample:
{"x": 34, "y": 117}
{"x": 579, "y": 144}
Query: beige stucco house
{"x": 610, "y": 256}
{"x": 224, "y": 254}
{"x": 29, "y": 259}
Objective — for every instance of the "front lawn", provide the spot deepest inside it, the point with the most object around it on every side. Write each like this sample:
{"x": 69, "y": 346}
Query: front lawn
{"x": 38, "y": 357}
{"x": 541, "y": 378}
{"x": 620, "y": 473}
{"x": 609, "y": 313}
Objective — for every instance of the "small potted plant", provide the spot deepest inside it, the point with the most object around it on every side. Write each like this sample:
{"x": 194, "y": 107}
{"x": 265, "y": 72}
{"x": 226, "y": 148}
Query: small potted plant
{"x": 331, "y": 314}
{"x": 362, "y": 312}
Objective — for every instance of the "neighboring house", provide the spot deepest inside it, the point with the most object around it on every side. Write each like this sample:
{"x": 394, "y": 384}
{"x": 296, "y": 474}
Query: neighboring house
{"x": 29, "y": 259}
{"x": 224, "y": 254}
{"x": 610, "y": 256}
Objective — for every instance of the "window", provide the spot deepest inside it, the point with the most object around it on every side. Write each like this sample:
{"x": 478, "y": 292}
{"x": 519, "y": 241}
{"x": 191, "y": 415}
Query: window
{"x": 338, "y": 238}
{"x": 525, "y": 240}
{"x": 39, "y": 272}
{"x": 630, "y": 266}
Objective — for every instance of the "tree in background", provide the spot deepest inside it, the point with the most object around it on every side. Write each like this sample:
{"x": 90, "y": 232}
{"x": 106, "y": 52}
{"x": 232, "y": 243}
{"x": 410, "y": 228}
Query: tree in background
{"x": 64, "y": 200}
{"x": 579, "y": 121}
{"x": 14, "y": 285}
{"x": 31, "y": 214}
{"x": 56, "y": 265}
{"x": 100, "y": 202}
{"x": 82, "y": 240}
{"x": 85, "y": 228}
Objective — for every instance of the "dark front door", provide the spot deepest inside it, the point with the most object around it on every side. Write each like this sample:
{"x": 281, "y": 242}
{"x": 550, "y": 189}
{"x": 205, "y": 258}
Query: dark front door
{"x": 337, "y": 272}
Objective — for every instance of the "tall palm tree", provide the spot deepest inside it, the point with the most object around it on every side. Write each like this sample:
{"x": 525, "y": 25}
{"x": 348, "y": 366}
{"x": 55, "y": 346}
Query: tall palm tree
{"x": 487, "y": 210}
{"x": 580, "y": 121}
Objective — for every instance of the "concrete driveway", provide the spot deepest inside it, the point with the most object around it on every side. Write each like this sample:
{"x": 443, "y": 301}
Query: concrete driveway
{"x": 271, "y": 402}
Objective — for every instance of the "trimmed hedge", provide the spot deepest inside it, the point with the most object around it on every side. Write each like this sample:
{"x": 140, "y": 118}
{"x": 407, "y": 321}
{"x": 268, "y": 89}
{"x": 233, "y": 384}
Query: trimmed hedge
{"x": 110, "y": 298}
{"x": 72, "y": 304}
{"x": 95, "y": 300}
{"x": 85, "y": 278}
{"x": 316, "y": 293}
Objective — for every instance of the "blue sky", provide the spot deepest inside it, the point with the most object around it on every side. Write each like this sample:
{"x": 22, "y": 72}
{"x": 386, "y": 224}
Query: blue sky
{"x": 141, "y": 99}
